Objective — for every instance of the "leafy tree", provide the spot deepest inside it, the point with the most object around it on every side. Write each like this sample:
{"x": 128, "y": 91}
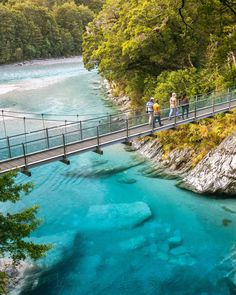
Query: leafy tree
{"x": 94, "y": 5}
{"x": 15, "y": 227}
{"x": 41, "y": 28}
{"x": 191, "y": 43}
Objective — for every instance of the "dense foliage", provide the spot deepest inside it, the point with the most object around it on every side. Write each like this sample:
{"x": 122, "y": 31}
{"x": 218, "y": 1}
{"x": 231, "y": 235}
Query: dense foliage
{"x": 150, "y": 47}
{"x": 43, "y": 28}
{"x": 200, "y": 137}
{"x": 15, "y": 227}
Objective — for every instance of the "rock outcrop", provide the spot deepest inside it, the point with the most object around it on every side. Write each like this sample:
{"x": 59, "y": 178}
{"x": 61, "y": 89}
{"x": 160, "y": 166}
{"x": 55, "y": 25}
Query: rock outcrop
{"x": 122, "y": 101}
{"x": 17, "y": 274}
{"x": 216, "y": 173}
{"x": 177, "y": 164}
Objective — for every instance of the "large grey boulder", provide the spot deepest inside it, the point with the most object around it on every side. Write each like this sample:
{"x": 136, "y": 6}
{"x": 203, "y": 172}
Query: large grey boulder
{"x": 216, "y": 173}
{"x": 117, "y": 216}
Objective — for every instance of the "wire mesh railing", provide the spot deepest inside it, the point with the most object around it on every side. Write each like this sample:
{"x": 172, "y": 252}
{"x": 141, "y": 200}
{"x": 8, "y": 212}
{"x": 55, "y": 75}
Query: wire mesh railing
{"x": 68, "y": 133}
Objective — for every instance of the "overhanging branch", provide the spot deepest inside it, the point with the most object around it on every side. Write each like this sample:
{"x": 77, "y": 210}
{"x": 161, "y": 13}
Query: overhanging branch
{"x": 181, "y": 15}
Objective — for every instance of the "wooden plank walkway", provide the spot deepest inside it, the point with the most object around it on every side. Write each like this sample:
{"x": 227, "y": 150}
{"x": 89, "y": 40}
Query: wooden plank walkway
{"x": 96, "y": 143}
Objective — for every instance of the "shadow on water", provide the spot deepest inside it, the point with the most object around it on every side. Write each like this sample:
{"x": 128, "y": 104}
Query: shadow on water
{"x": 158, "y": 172}
{"x": 53, "y": 280}
{"x": 94, "y": 172}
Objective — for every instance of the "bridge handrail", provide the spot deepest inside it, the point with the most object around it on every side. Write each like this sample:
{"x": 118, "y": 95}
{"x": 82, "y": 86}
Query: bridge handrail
{"x": 123, "y": 120}
{"x": 104, "y": 113}
{"x": 82, "y": 122}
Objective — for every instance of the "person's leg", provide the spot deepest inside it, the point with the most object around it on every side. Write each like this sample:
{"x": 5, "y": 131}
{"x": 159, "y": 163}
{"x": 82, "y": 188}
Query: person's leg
{"x": 154, "y": 121}
{"x": 187, "y": 111}
{"x": 177, "y": 112}
{"x": 159, "y": 120}
{"x": 150, "y": 118}
{"x": 171, "y": 113}
{"x": 183, "y": 112}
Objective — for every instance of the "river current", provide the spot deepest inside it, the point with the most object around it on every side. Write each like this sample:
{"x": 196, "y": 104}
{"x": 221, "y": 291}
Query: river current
{"x": 114, "y": 230}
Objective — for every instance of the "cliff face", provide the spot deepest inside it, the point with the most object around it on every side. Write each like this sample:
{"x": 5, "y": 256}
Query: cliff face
{"x": 215, "y": 174}
{"x": 122, "y": 101}
{"x": 177, "y": 164}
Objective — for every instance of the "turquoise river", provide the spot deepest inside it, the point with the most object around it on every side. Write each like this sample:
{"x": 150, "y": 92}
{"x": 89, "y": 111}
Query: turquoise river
{"x": 114, "y": 230}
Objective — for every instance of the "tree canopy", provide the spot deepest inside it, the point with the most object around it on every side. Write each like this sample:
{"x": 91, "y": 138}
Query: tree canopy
{"x": 43, "y": 28}
{"x": 16, "y": 226}
{"x": 154, "y": 47}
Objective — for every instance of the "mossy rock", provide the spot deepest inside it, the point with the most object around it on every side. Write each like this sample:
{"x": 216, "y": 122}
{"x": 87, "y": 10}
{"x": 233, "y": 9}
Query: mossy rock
{"x": 226, "y": 222}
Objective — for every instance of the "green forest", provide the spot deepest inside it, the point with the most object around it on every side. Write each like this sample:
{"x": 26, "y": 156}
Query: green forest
{"x": 43, "y": 28}
{"x": 149, "y": 47}
{"x": 144, "y": 47}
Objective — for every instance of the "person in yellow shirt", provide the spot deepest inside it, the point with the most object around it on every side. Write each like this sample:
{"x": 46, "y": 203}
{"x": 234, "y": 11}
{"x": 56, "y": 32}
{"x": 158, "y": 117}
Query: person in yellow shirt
{"x": 157, "y": 113}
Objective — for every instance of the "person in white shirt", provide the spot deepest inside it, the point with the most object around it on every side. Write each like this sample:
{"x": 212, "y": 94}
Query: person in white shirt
{"x": 149, "y": 110}
{"x": 173, "y": 106}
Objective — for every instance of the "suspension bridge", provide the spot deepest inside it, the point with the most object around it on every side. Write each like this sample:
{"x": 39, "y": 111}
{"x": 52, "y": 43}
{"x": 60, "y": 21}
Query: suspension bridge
{"x": 57, "y": 143}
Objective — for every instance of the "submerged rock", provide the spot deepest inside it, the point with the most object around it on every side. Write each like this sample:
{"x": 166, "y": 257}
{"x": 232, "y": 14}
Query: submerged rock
{"x": 134, "y": 243}
{"x": 127, "y": 180}
{"x": 163, "y": 256}
{"x": 227, "y": 268}
{"x": 216, "y": 173}
{"x": 228, "y": 209}
{"x": 176, "y": 251}
{"x": 174, "y": 242}
{"x": 117, "y": 216}
{"x": 226, "y": 222}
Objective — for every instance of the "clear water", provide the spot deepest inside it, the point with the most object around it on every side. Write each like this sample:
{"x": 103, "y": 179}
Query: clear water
{"x": 178, "y": 250}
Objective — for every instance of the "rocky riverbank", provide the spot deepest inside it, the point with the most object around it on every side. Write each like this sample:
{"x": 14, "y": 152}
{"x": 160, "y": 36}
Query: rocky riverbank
{"x": 215, "y": 174}
{"x": 122, "y": 101}
{"x": 16, "y": 275}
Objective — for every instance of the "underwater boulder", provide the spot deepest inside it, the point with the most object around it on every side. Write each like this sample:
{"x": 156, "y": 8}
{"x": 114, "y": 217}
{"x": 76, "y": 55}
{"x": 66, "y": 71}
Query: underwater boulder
{"x": 175, "y": 241}
{"x": 127, "y": 180}
{"x": 117, "y": 216}
{"x": 134, "y": 243}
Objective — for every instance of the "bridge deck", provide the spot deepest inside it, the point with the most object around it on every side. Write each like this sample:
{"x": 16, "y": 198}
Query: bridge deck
{"x": 61, "y": 152}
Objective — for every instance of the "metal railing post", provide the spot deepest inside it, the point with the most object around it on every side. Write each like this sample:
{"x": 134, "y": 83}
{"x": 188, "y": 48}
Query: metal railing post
{"x": 127, "y": 129}
{"x": 81, "y": 130}
{"x": 9, "y": 147}
{"x": 25, "y": 159}
{"x": 110, "y": 122}
{"x": 4, "y": 124}
{"x": 230, "y": 98}
{"x": 43, "y": 121}
{"x": 47, "y": 137}
{"x": 65, "y": 126}
{"x": 64, "y": 159}
{"x": 64, "y": 145}
{"x": 25, "y": 131}
{"x": 213, "y": 105}
{"x": 25, "y": 169}
{"x": 195, "y": 108}
{"x": 98, "y": 141}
